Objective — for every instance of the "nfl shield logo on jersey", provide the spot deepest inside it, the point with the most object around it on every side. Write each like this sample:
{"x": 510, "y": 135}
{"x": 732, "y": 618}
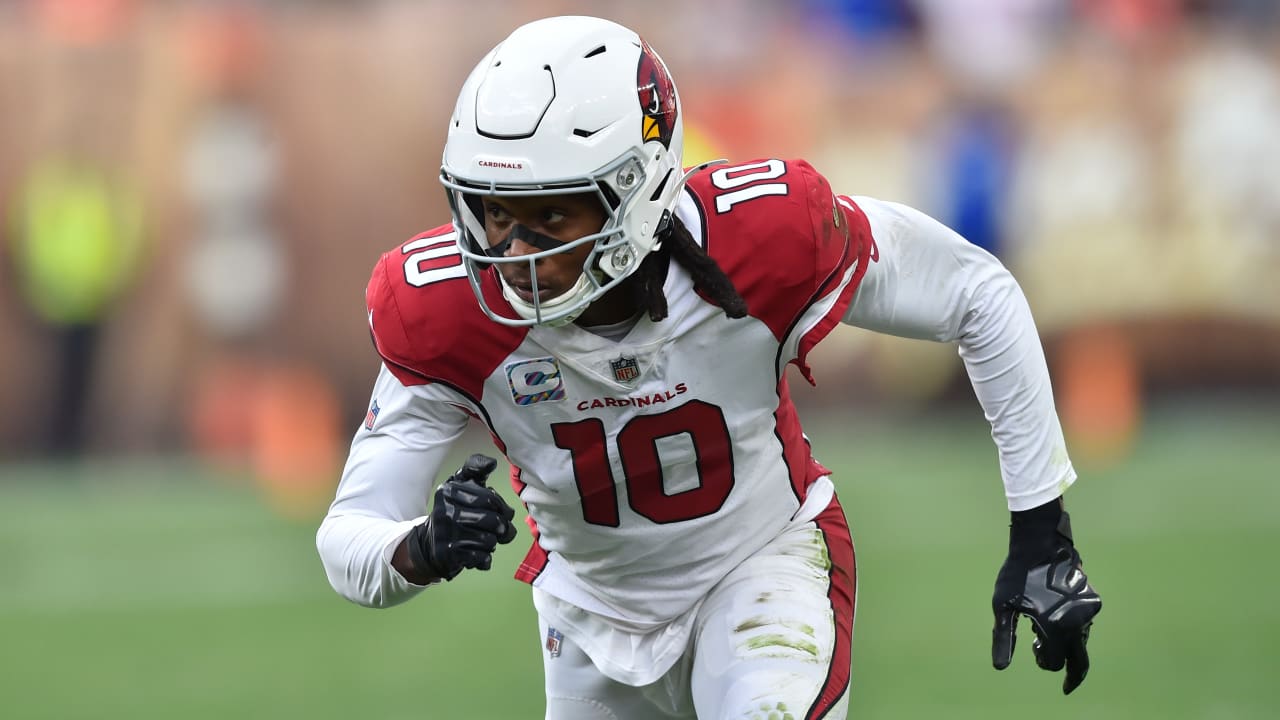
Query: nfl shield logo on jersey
{"x": 625, "y": 369}
{"x": 554, "y": 638}
{"x": 372, "y": 415}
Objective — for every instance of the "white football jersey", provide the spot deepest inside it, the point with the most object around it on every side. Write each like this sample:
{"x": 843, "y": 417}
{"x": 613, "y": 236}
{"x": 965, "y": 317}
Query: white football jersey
{"x": 654, "y": 464}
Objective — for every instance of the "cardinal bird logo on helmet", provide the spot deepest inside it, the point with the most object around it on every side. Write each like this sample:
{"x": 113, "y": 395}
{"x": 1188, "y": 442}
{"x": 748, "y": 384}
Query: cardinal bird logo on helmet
{"x": 657, "y": 97}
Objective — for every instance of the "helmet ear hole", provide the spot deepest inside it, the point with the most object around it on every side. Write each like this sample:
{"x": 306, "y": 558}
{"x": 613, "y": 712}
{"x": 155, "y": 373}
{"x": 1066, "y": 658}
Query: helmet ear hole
{"x": 610, "y": 196}
{"x": 657, "y": 193}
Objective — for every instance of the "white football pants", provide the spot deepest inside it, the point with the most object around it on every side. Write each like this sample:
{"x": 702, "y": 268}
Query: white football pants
{"x": 771, "y": 642}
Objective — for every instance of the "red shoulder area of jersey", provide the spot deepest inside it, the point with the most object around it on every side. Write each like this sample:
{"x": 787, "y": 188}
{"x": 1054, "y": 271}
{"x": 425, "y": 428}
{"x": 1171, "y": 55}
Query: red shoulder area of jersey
{"x": 424, "y": 318}
{"x": 785, "y": 240}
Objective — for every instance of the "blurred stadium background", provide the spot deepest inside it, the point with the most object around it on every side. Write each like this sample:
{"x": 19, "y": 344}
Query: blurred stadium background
{"x": 192, "y": 194}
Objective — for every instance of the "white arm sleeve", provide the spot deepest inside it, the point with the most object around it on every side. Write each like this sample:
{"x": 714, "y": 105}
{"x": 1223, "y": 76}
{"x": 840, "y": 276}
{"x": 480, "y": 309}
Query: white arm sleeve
{"x": 930, "y": 283}
{"x": 385, "y": 489}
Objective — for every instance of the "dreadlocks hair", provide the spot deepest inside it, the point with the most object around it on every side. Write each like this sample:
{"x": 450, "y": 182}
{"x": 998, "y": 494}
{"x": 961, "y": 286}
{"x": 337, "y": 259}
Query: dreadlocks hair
{"x": 707, "y": 276}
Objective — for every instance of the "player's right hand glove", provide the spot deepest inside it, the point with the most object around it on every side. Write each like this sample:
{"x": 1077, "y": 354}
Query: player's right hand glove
{"x": 466, "y": 523}
{"x": 1042, "y": 579}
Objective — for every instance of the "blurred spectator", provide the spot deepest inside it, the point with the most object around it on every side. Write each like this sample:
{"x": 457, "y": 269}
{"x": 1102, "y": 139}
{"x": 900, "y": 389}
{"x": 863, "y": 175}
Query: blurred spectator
{"x": 989, "y": 49}
{"x": 974, "y": 145}
{"x": 1084, "y": 196}
{"x": 76, "y": 222}
{"x": 252, "y": 406}
{"x": 1225, "y": 148}
{"x": 76, "y": 240}
{"x": 231, "y": 170}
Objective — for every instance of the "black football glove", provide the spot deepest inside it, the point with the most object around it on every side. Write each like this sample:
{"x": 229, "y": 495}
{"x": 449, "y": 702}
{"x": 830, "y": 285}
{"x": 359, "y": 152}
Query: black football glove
{"x": 1042, "y": 579}
{"x": 466, "y": 523}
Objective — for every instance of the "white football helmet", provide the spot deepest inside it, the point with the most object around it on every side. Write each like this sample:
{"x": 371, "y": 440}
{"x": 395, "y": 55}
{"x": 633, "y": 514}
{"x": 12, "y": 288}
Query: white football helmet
{"x": 566, "y": 105}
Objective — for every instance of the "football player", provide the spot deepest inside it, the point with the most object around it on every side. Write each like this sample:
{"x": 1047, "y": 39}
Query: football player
{"x": 621, "y": 325}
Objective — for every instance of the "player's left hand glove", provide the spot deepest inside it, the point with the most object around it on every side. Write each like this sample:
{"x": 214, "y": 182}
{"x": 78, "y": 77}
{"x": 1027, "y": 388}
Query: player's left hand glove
{"x": 1042, "y": 579}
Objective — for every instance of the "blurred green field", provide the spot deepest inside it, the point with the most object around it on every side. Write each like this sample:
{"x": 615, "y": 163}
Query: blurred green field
{"x": 155, "y": 590}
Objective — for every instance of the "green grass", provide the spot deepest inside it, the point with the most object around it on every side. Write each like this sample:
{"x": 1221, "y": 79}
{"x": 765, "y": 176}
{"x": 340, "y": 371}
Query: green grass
{"x": 157, "y": 590}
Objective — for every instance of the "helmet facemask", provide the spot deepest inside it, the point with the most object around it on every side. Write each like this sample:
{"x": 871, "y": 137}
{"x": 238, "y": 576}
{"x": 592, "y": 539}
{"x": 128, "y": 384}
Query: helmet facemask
{"x": 613, "y": 257}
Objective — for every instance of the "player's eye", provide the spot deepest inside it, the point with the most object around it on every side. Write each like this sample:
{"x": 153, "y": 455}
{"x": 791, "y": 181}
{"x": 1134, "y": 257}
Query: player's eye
{"x": 552, "y": 216}
{"x": 496, "y": 212}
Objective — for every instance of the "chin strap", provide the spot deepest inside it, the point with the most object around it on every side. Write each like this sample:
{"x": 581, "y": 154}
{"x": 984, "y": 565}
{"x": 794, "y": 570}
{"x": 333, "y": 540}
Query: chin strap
{"x": 528, "y": 311}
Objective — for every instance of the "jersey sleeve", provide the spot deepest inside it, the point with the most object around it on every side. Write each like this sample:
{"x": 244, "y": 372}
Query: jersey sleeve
{"x": 928, "y": 282}
{"x": 794, "y": 251}
{"x": 395, "y": 458}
